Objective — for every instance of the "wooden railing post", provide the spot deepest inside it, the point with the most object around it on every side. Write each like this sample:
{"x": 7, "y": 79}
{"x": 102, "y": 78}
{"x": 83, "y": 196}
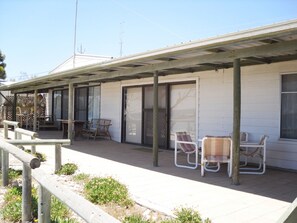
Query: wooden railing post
{"x": 58, "y": 157}
{"x": 5, "y": 130}
{"x": 5, "y": 166}
{"x": 4, "y": 159}
{"x": 33, "y": 147}
{"x": 26, "y": 194}
{"x": 5, "y": 137}
{"x": 44, "y": 205}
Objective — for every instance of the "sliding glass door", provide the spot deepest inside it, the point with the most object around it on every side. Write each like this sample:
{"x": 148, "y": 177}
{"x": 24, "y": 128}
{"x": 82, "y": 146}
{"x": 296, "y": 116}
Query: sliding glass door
{"x": 182, "y": 110}
{"x": 133, "y": 114}
{"x": 81, "y": 104}
{"x": 176, "y": 112}
{"x": 148, "y": 116}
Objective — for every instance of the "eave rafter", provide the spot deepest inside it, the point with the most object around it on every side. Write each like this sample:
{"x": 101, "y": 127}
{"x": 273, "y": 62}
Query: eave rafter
{"x": 261, "y": 54}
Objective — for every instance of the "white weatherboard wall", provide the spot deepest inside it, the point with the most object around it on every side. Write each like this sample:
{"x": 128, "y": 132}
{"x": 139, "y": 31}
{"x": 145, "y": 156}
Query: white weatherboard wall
{"x": 260, "y": 108}
{"x": 111, "y": 107}
{"x": 260, "y": 111}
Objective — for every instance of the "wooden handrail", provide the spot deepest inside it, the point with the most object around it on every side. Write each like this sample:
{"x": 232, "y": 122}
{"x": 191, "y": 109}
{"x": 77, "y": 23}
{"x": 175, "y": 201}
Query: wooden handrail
{"x": 84, "y": 208}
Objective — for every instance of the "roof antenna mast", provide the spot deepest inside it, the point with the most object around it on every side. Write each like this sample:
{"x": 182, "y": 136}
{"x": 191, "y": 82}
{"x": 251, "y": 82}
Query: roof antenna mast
{"x": 74, "y": 41}
{"x": 121, "y": 38}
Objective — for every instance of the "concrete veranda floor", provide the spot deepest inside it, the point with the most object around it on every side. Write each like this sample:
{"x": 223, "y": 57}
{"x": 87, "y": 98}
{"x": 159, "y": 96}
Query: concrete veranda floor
{"x": 259, "y": 198}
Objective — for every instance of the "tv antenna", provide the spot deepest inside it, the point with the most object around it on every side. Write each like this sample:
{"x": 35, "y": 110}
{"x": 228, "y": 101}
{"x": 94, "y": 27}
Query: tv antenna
{"x": 74, "y": 41}
{"x": 121, "y": 38}
{"x": 81, "y": 50}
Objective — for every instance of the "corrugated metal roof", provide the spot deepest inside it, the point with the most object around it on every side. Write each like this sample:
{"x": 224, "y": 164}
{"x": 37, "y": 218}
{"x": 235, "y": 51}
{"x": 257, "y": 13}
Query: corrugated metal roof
{"x": 268, "y": 44}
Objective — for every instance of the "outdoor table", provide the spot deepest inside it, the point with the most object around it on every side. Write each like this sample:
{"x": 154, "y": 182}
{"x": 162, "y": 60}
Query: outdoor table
{"x": 78, "y": 127}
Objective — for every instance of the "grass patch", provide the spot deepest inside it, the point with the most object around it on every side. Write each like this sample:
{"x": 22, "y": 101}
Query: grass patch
{"x": 183, "y": 215}
{"x": 40, "y": 156}
{"x": 14, "y": 174}
{"x": 187, "y": 215}
{"x": 58, "y": 210}
{"x": 82, "y": 177}
{"x": 67, "y": 169}
{"x": 12, "y": 208}
{"x": 107, "y": 190}
{"x": 136, "y": 219}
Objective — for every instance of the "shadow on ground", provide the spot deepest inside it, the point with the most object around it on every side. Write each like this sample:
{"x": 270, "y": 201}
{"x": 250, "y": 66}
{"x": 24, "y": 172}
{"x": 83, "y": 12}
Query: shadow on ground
{"x": 277, "y": 184}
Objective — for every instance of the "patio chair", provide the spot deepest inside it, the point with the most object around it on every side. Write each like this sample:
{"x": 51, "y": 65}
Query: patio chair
{"x": 244, "y": 137}
{"x": 184, "y": 143}
{"x": 98, "y": 128}
{"x": 216, "y": 150}
{"x": 251, "y": 151}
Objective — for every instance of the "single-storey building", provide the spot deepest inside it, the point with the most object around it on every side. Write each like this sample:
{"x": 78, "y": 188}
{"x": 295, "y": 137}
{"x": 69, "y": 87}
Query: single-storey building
{"x": 195, "y": 88}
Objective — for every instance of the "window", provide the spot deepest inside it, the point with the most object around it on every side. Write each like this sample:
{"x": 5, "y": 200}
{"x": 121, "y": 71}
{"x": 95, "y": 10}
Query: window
{"x": 289, "y": 106}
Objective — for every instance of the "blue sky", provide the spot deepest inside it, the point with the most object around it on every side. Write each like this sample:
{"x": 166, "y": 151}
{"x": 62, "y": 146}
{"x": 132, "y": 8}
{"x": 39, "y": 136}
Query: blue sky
{"x": 37, "y": 35}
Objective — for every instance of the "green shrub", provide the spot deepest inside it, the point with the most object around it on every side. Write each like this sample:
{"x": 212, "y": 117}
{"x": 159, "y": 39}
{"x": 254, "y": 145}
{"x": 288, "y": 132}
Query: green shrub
{"x": 40, "y": 156}
{"x": 63, "y": 220}
{"x": 136, "y": 219}
{"x": 82, "y": 177}
{"x": 13, "y": 193}
{"x": 12, "y": 209}
{"x": 13, "y": 174}
{"x": 67, "y": 169}
{"x": 187, "y": 215}
{"x": 107, "y": 190}
{"x": 58, "y": 209}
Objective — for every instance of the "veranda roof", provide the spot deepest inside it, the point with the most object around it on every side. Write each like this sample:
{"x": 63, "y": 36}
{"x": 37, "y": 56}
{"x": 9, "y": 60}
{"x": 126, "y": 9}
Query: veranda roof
{"x": 263, "y": 45}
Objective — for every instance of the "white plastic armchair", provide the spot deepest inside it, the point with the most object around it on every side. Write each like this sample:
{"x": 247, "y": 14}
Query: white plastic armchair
{"x": 216, "y": 150}
{"x": 252, "y": 151}
{"x": 184, "y": 143}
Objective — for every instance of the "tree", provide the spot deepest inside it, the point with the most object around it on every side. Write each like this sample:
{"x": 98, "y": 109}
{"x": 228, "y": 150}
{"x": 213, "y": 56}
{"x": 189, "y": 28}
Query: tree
{"x": 2, "y": 66}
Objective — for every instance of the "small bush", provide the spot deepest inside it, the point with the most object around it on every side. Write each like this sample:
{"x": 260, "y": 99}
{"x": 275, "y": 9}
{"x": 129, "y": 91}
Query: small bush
{"x": 12, "y": 209}
{"x": 63, "y": 220}
{"x": 67, "y": 169}
{"x": 187, "y": 215}
{"x": 13, "y": 193}
{"x": 107, "y": 190}
{"x": 82, "y": 177}
{"x": 40, "y": 156}
{"x": 136, "y": 219}
{"x": 58, "y": 209}
{"x": 13, "y": 174}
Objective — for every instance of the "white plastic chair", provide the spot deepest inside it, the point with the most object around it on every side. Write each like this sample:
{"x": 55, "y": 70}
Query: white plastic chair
{"x": 216, "y": 150}
{"x": 251, "y": 151}
{"x": 184, "y": 143}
